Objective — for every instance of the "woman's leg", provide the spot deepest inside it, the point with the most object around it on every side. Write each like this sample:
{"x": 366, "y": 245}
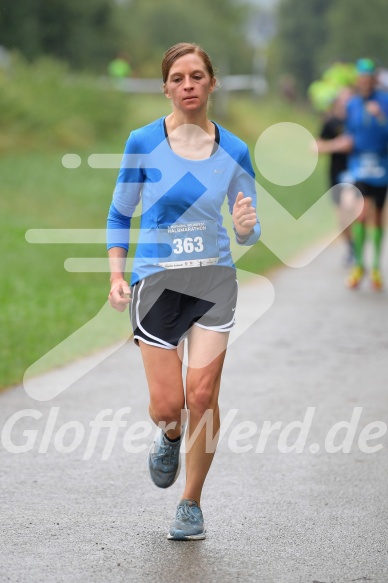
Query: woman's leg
{"x": 206, "y": 354}
{"x": 163, "y": 370}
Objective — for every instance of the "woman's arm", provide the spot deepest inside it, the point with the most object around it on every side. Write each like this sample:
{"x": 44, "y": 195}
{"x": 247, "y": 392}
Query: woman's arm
{"x": 120, "y": 293}
{"x": 244, "y": 217}
{"x": 341, "y": 144}
{"x": 126, "y": 196}
{"x": 117, "y": 232}
{"x": 242, "y": 200}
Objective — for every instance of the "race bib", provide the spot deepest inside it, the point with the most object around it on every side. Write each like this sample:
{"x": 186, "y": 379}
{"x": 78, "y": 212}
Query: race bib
{"x": 191, "y": 244}
{"x": 370, "y": 166}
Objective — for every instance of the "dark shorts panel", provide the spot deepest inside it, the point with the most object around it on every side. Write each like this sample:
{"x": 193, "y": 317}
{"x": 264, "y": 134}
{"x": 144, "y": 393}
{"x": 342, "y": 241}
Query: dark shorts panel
{"x": 167, "y": 304}
{"x": 377, "y": 193}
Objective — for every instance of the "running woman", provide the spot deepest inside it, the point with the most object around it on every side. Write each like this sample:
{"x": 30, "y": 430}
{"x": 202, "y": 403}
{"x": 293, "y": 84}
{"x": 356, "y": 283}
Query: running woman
{"x": 183, "y": 285}
{"x": 366, "y": 138}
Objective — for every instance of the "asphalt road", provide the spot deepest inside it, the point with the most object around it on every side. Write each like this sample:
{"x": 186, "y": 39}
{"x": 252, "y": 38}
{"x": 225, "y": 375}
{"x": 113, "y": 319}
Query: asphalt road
{"x": 320, "y": 353}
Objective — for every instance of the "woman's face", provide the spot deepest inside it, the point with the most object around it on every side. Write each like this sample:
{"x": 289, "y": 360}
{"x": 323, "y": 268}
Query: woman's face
{"x": 189, "y": 84}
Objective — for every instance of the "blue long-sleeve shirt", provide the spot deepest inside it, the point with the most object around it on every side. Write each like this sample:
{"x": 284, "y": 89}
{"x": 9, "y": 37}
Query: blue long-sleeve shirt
{"x": 368, "y": 161}
{"x": 181, "y": 220}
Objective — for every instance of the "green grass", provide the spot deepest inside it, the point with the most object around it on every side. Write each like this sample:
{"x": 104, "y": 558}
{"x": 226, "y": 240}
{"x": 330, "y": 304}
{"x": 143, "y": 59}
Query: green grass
{"x": 42, "y": 303}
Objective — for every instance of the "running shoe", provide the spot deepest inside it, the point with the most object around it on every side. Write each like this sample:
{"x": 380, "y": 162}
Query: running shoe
{"x": 376, "y": 279}
{"x": 164, "y": 460}
{"x": 188, "y": 523}
{"x": 355, "y": 277}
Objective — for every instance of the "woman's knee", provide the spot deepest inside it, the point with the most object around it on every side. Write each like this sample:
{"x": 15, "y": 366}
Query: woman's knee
{"x": 202, "y": 396}
{"x": 166, "y": 409}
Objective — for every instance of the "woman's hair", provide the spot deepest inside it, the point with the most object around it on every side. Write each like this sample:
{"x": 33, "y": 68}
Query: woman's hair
{"x": 179, "y": 50}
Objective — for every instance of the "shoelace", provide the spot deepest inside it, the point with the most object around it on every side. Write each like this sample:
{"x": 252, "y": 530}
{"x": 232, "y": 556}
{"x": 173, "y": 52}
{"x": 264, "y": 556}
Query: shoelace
{"x": 185, "y": 512}
{"x": 166, "y": 453}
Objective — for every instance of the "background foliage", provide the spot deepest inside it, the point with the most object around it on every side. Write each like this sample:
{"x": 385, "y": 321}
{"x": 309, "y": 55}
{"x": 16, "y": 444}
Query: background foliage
{"x": 89, "y": 34}
{"x": 312, "y": 34}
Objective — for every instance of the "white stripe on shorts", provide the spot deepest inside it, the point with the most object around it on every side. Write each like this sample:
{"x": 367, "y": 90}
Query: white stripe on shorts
{"x": 163, "y": 342}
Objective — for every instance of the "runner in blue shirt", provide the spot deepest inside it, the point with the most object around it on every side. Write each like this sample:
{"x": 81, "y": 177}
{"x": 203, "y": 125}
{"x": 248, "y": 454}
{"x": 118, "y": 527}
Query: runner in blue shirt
{"x": 182, "y": 168}
{"x": 366, "y": 138}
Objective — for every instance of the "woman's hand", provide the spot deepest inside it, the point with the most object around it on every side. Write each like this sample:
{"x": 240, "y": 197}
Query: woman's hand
{"x": 243, "y": 215}
{"x": 119, "y": 295}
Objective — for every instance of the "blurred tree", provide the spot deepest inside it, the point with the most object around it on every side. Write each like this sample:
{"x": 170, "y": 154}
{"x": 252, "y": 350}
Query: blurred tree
{"x": 365, "y": 34}
{"x": 302, "y": 32}
{"x": 19, "y": 26}
{"x": 82, "y": 33}
{"x": 219, "y": 26}
{"x": 315, "y": 33}
{"x": 89, "y": 34}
